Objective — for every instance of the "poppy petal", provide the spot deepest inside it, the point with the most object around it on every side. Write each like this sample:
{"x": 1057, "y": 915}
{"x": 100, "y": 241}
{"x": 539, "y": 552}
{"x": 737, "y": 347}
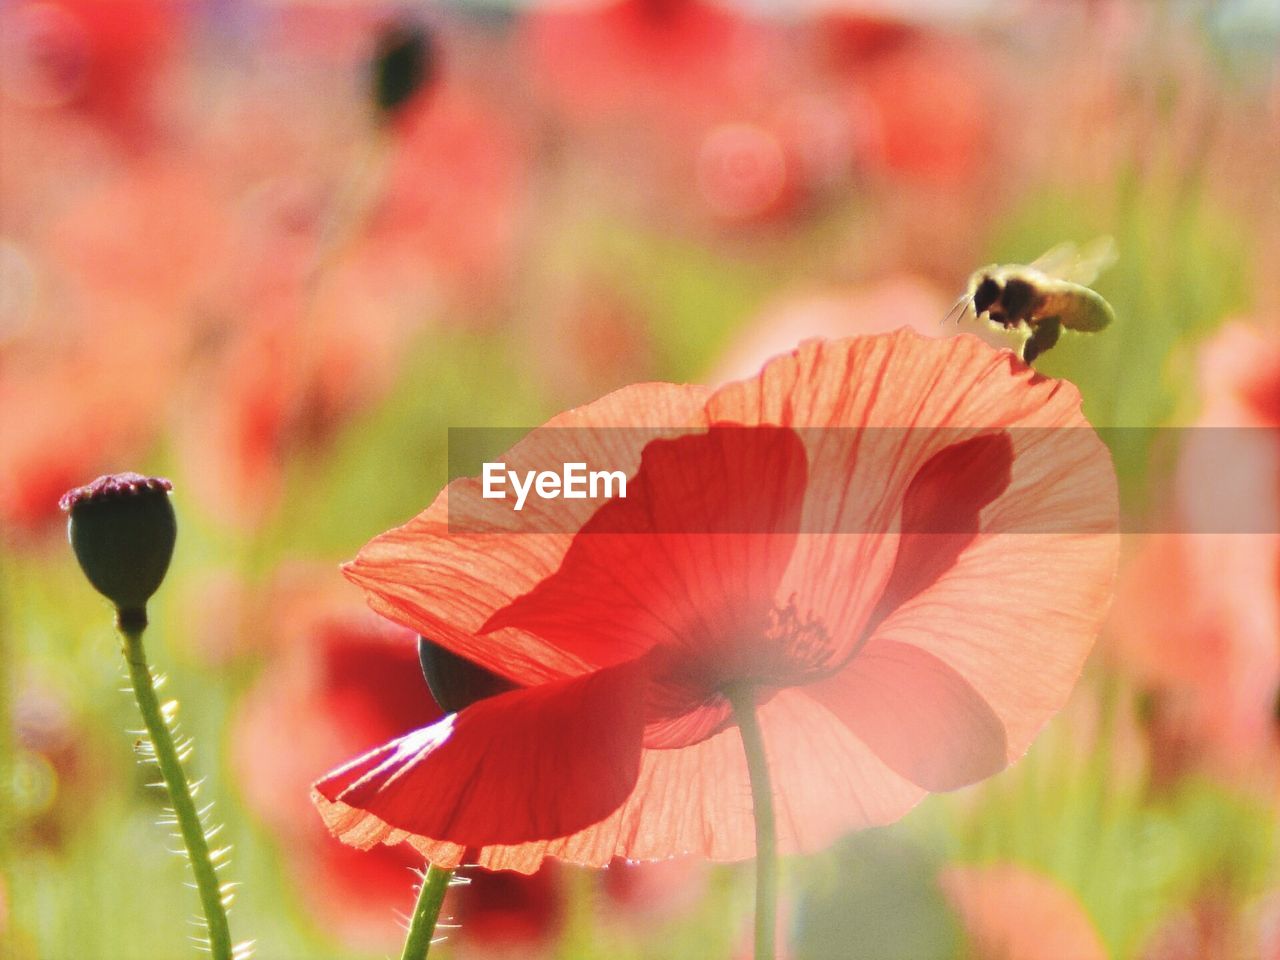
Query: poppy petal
{"x": 876, "y": 410}
{"x": 445, "y": 584}
{"x": 539, "y": 762}
{"x": 940, "y": 514}
{"x": 917, "y": 714}
{"x": 697, "y": 800}
{"x": 688, "y": 557}
{"x": 1015, "y": 612}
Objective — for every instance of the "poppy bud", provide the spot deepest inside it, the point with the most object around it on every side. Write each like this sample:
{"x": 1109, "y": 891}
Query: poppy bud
{"x": 122, "y": 528}
{"x": 403, "y": 63}
{"x": 457, "y": 683}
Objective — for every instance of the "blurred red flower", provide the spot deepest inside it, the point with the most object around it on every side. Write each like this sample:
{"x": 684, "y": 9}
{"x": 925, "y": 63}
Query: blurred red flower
{"x": 57, "y": 425}
{"x": 337, "y": 684}
{"x": 1014, "y": 913}
{"x": 151, "y": 236}
{"x": 608, "y": 60}
{"x": 921, "y": 96}
{"x": 926, "y": 111}
{"x": 1214, "y": 928}
{"x": 496, "y": 915}
{"x": 104, "y": 284}
{"x": 846, "y": 39}
{"x": 885, "y": 663}
{"x": 454, "y": 191}
{"x": 101, "y": 58}
{"x": 342, "y": 681}
{"x": 648, "y": 893}
{"x": 284, "y": 384}
{"x": 690, "y": 106}
{"x": 1198, "y": 618}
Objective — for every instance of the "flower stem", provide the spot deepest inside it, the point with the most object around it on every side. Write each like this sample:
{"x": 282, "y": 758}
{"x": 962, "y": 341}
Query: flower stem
{"x": 425, "y": 914}
{"x": 132, "y": 624}
{"x": 742, "y": 699}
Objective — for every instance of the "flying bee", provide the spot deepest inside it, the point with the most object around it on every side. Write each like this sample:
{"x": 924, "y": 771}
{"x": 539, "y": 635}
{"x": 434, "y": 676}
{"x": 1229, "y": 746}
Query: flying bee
{"x": 1043, "y": 296}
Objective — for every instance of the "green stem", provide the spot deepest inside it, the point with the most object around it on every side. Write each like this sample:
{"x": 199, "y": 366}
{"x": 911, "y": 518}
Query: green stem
{"x": 742, "y": 699}
{"x": 132, "y": 624}
{"x": 425, "y": 914}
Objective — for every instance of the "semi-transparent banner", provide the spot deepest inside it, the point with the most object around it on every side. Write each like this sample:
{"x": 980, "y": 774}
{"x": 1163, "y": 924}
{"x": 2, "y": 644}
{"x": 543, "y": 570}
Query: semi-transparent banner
{"x": 771, "y": 479}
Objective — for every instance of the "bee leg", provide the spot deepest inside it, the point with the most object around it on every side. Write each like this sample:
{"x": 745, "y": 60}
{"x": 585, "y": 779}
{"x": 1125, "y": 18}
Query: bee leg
{"x": 1043, "y": 336}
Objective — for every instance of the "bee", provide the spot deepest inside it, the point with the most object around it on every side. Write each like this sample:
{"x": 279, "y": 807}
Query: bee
{"x": 1042, "y": 297}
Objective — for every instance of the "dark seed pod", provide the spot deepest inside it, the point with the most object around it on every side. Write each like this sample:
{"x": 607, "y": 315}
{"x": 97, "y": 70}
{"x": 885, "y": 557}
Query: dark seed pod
{"x": 403, "y": 63}
{"x": 123, "y": 529}
{"x": 455, "y": 682}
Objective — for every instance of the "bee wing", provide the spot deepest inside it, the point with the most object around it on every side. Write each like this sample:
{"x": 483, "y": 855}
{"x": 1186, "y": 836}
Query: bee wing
{"x": 1052, "y": 262}
{"x": 1075, "y": 264}
{"x": 959, "y": 308}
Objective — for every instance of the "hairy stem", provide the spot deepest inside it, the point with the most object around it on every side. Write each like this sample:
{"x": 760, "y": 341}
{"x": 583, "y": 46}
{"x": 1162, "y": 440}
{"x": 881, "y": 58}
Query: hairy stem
{"x": 742, "y": 699}
{"x": 175, "y": 781}
{"x": 425, "y": 914}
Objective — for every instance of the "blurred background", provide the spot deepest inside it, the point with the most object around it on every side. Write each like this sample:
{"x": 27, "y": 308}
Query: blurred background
{"x": 273, "y": 250}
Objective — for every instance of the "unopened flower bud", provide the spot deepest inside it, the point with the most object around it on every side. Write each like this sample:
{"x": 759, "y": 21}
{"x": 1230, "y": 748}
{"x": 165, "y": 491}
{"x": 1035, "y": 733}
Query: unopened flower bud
{"x": 454, "y": 681}
{"x": 404, "y": 62}
{"x": 122, "y": 528}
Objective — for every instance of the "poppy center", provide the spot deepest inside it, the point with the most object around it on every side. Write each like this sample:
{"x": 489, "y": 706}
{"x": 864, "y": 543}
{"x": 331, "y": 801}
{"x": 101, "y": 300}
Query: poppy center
{"x": 688, "y": 702}
{"x": 800, "y": 640}
{"x": 781, "y": 645}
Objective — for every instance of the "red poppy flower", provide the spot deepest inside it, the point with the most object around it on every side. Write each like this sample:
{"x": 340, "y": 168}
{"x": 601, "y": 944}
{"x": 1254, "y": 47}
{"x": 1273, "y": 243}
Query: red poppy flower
{"x": 688, "y": 104}
{"x": 152, "y": 238}
{"x": 1214, "y": 927}
{"x": 101, "y": 57}
{"x": 928, "y": 109}
{"x": 600, "y": 61}
{"x": 116, "y": 272}
{"x": 337, "y": 685}
{"x": 846, "y": 40}
{"x": 56, "y": 426}
{"x": 283, "y": 385}
{"x": 909, "y": 606}
{"x": 453, "y": 193}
